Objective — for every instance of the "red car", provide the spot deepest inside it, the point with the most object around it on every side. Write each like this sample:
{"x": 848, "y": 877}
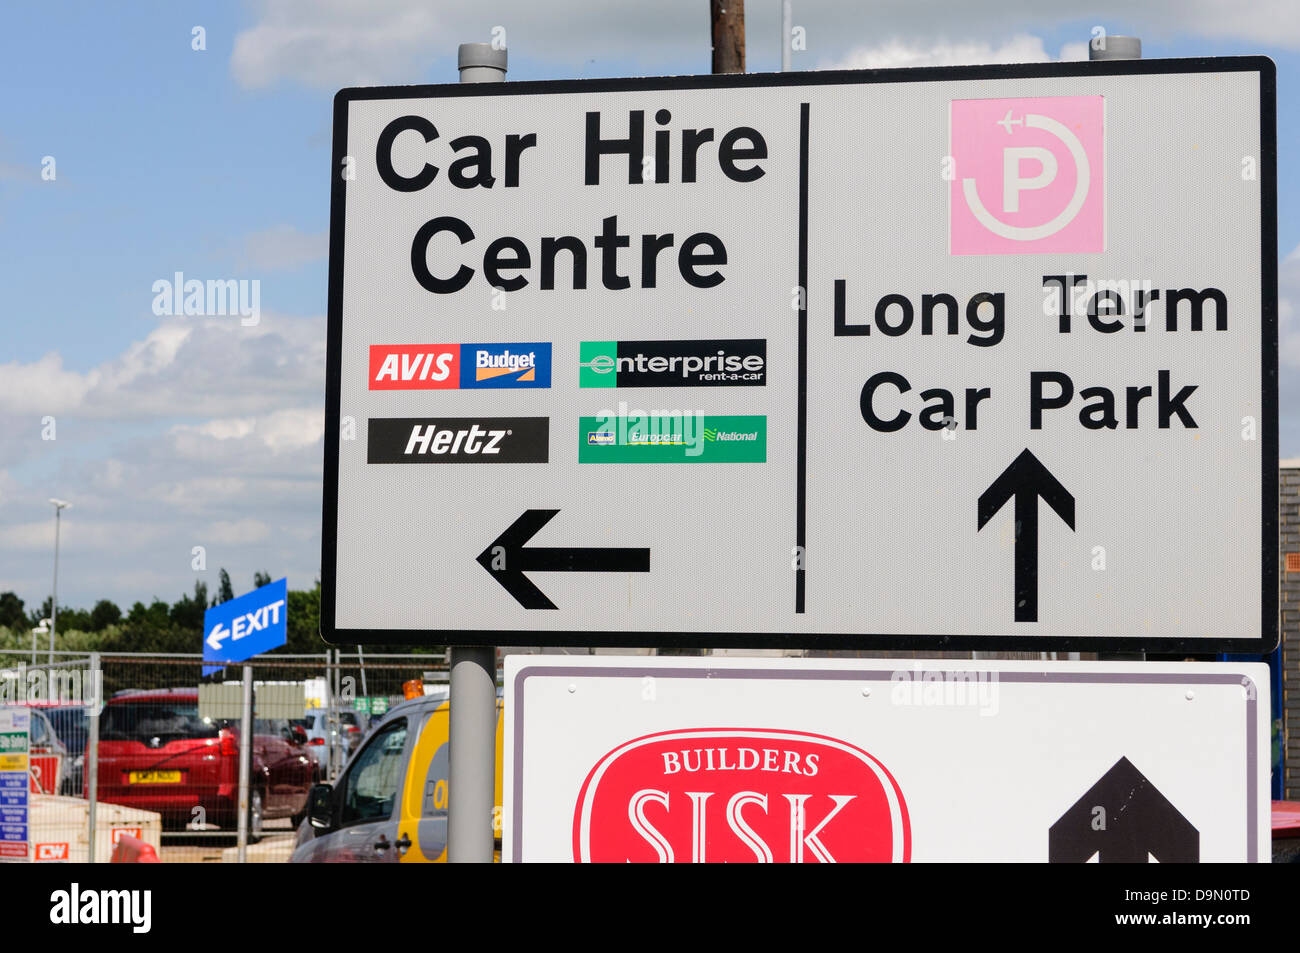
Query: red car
{"x": 157, "y": 754}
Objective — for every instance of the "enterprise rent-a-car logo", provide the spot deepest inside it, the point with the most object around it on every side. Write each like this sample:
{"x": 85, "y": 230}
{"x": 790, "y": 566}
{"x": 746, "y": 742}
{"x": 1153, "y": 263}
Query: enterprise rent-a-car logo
{"x": 706, "y": 363}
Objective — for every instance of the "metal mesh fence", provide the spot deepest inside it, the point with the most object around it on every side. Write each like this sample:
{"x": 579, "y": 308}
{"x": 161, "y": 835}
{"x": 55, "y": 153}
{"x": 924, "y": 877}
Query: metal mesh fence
{"x": 149, "y": 747}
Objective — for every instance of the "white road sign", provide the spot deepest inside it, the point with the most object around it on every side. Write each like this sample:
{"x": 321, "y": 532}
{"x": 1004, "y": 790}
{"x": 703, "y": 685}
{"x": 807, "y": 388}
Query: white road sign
{"x": 817, "y": 760}
{"x": 928, "y": 358}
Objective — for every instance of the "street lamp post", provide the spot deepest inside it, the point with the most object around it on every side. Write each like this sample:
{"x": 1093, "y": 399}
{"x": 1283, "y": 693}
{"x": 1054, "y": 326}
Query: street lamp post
{"x": 59, "y": 507}
{"x": 41, "y": 629}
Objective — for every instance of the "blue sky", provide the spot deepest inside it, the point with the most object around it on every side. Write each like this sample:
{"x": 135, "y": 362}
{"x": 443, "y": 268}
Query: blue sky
{"x": 172, "y": 435}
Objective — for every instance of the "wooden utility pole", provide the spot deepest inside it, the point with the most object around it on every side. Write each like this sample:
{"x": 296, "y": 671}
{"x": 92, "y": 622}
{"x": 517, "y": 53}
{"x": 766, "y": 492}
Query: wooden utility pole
{"x": 728, "y": 21}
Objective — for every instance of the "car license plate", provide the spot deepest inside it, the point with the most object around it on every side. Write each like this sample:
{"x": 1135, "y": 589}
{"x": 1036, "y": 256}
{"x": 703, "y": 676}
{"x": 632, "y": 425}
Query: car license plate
{"x": 153, "y": 777}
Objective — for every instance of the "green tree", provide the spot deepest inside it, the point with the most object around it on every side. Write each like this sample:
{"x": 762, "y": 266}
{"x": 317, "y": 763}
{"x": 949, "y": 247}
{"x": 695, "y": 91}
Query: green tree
{"x": 157, "y": 615}
{"x": 224, "y": 592}
{"x": 70, "y": 619}
{"x": 104, "y": 614}
{"x": 303, "y": 621}
{"x": 261, "y": 579}
{"x": 42, "y": 613}
{"x": 151, "y": 629}
{"x": 11, "y": 611}
{"x": 73, "y": 620}
{"x": 187, "y": 611}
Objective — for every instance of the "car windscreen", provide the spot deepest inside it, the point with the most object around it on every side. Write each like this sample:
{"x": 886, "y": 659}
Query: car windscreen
{"x": 70, "y": 726}
{"x": 157, "y": 718}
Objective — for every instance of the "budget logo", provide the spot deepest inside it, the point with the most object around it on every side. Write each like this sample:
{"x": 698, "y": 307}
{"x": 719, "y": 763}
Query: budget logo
{"x": 504, "y": 365}
{"x": 1028, "y": 176}
{"x": 458, "y": 439}
{"x": 740, "y": 795}
{"x": 705, "y": 363}
{"x": 661, "y": 436}
{"x": 464, "y": 366}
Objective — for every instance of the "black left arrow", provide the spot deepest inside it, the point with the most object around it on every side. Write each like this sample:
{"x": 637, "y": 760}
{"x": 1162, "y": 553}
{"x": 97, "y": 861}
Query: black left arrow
{"x": 507, "y": 559}
{"x": 1025, "y": 481}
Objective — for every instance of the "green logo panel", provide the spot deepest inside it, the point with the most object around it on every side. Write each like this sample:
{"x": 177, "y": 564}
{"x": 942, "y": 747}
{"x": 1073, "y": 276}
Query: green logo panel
{"x": 598, "y": 361}
{"x": 673, "y": 438}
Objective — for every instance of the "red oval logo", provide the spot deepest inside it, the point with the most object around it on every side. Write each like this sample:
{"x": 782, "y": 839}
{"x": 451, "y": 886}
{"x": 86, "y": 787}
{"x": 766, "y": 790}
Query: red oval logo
{"x": 734, "y": 795}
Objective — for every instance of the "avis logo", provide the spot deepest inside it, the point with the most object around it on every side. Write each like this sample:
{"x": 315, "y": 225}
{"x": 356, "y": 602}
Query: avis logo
{"x": 737, "y": 795}
{"x": 1029, "y": 176}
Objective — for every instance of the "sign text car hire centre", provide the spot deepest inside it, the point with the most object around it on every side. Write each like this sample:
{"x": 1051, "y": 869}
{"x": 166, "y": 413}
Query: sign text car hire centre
{"x": 946, "y": 358}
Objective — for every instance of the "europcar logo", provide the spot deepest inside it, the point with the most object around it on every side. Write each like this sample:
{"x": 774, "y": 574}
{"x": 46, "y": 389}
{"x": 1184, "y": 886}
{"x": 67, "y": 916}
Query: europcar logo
{"x": 1029, "y": 176}
{"x": 638, "y": 436}
{"x": 467, "y": 366}
{"x": 740, "y": 795}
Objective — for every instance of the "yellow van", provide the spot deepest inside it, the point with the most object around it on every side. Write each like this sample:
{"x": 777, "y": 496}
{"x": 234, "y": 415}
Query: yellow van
{"x": 390, "y": 803}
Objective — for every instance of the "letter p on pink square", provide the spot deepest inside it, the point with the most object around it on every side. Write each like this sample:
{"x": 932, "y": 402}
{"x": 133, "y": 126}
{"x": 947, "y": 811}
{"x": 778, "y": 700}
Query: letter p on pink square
{"x": 1028, "y": 176}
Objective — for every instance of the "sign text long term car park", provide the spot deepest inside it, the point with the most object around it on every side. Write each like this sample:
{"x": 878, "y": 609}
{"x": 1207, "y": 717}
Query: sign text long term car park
{"x": 946, "y": 358}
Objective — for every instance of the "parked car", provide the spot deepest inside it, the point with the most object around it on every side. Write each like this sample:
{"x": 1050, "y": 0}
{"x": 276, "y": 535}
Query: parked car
{"x": 390, "y": 802}
{"x": 156, "y": 753}
{"x": 70, "y": 724}
{"x": 342, "y": 738}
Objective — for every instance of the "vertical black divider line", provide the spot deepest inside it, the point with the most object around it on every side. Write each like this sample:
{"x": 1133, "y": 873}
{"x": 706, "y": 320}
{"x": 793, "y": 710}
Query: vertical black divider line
{"x": 801, "y": 477}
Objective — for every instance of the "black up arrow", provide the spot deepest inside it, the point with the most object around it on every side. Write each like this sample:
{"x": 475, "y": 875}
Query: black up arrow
{"x": 1121, "y": 819}
{"x": 1026, "y": 480}
{"x": 507, "y": 560}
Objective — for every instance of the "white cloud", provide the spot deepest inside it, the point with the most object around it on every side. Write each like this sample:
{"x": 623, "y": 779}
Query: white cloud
{"x": 897, "y": 53}
{"x": 183, "y": 367}
{"x": 326, "y": 43}
{"x": 331, "y": 43}
{"x": 202, "y": 433}
{"x": 234, "y": 532}
{"x": 80, "y": 533}
{"x": 283, "y": 247}
{"x": 42, "y": 387}
{"x": 278, "y": 431}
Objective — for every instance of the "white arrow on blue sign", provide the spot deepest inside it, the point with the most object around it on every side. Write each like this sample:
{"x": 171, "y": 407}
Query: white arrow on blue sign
{"x": 246, "y": 626}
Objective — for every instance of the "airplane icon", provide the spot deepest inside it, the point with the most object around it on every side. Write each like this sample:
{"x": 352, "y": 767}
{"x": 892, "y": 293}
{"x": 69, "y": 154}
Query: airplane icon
{"x": 1006, "y": 122}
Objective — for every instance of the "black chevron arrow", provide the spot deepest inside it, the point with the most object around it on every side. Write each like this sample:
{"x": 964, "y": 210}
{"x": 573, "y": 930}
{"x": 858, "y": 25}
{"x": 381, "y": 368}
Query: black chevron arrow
{"x": 507, "y": 559}
{"x": 1122, "y": 819}
{"x": 1025, "y": 481}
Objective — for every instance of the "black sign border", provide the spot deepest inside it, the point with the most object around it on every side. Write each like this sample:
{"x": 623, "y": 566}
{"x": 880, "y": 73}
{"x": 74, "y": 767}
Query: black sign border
{"x": 1269, "y": 623}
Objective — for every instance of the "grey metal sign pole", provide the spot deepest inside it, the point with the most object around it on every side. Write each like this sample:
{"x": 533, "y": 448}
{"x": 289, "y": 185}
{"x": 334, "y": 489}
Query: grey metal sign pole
{"x": 472, "y": 780}
{"x": 787, "y": 26}
{"x": 90, "y": 762}
{"x": 245, "y": 763}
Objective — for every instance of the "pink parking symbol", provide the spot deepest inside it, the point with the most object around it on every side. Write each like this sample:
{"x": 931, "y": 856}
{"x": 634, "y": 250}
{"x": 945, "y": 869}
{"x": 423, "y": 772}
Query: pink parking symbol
{"x": 1029, "y": 176}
